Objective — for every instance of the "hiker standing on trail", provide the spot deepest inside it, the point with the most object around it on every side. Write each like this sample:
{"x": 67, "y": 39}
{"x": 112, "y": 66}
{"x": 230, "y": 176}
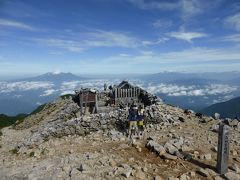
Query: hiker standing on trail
{"x": 132, "y": 117}
{"x": 141, "y": 112}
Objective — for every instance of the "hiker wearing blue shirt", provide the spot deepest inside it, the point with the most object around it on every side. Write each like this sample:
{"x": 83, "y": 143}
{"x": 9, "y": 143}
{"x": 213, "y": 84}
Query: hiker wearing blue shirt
{"x": 132, "y": 117}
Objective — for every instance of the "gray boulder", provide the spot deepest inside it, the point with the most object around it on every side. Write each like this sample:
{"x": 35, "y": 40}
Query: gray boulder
{"x": 216, "y": 116}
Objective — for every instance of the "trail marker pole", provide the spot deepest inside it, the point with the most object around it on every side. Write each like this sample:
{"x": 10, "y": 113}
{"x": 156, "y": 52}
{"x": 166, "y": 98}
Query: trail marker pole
{"x": 223, "y": 149}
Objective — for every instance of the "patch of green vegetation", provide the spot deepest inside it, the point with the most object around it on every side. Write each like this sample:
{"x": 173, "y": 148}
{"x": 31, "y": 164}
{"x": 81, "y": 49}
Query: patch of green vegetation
{"x": 14, "y": 151}
{"x": 1, "y": 133}
{"x": 45, "y": 139}
{"x": 31, "y": 154}
{"x": 10, "y": 120}
{"x": 15, "y": 120}
{"x": 170, "y": 105}
{"x": 38, "y": 109}
{"x": 44, "y": 151}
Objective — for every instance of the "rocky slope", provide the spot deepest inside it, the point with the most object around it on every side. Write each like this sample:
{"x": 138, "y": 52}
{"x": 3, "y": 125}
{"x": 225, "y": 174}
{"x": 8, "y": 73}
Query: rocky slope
{"x": 58, "y": 144}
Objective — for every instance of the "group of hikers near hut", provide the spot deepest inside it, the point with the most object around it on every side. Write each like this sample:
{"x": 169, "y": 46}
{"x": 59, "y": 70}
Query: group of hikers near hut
{"x": 136, "y": 120}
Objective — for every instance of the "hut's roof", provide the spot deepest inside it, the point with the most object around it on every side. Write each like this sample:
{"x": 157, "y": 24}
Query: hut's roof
{"x": 125, "y": 84}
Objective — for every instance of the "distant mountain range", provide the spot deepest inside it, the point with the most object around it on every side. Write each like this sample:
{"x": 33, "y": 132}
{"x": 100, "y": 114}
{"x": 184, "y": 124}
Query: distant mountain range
{"x": 187, "y": 90}
{"x": 228, "y": 109}
{"x": 194, "y": 78}
{"x": 55, "y": 77}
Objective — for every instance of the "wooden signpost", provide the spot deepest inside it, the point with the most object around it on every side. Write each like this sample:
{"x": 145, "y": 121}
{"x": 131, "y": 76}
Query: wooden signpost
{"x": 223, "y": 149}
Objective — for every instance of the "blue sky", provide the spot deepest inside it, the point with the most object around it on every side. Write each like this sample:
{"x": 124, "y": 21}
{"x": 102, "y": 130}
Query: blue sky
{"x": 119, "y": 36}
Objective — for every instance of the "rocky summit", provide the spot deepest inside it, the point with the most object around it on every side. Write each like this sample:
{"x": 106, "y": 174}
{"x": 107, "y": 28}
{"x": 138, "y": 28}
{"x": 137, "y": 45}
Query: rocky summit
{"x": 58, "y": 143}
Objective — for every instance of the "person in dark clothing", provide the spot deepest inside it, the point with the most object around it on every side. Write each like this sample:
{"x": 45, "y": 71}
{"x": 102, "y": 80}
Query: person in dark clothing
{"x": 132, "y": 117}
{"x": 141, "y": 112}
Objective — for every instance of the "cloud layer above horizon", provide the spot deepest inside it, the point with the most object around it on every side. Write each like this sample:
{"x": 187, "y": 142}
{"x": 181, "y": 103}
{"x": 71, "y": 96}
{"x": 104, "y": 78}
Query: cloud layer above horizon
{"x": 168, "y": 89}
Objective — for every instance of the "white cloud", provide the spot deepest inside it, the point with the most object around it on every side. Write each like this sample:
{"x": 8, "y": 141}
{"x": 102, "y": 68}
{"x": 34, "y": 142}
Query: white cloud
{"x": 48, "y": 87}
{"x": 232, "y": 38}
{"x": 67, "y": 92}
{"x": 124, "y": 55}
{"x": 191, "y": 60}
{"x": 228, "y": 97}
{"x": 187, "y": 36}
{"x": 142, "y": 4}
{"x": 190, "y": 8}
{"x": 70, "y": 45}
{"x": 215, "y": 89}
{"x": 162, "y": 23}
{"x": 48, "y": 92}
{"x": 15, "y": 24}
{"x": 147, "y": 53}
{"x": 167, "y": 89}
{"x": 199, "y": 55}
{"x": 92, "y": 39}
{"x": 223, "y": 98}
{"x": 186, "y": 8}
{"x": 56, "y": 53}
{"x": 196, "y": 92}
{"x": 71, "y": 86}
{"x": 17, "y": 96}
{"x": 6, "y": 87}
{"x": 56, "y": 72}
{"x": 102, "y": 38}
{"x": 180, "y": 93}
{"x": 159, "y": 41}
{"x": 176, "y": 90}
{"x": 233, "y": 21}
{"x": 39, "y": 103}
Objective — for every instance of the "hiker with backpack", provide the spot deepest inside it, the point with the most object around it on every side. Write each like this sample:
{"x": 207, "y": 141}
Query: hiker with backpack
{"x": 132, "y": 118}
{"x": 141, "y": 112}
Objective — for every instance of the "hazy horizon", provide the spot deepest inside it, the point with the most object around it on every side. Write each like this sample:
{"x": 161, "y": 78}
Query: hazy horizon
{"x": 6, "y": 77}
